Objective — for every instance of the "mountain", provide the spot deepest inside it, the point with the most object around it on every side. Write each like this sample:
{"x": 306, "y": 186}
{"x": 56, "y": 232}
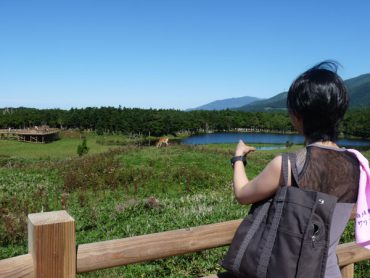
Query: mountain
{"x": 277, "y": 102}
{"x": 358, "y": 89}
{"x": 228, "y": 103}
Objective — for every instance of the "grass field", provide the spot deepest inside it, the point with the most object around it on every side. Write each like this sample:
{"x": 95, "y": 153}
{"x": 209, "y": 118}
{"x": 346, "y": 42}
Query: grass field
{"x": 64, "y": 148}
{"x": 110, "y": 194}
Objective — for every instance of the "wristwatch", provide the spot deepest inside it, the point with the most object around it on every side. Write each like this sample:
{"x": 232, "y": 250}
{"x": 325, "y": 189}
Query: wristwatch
{"x": 238, "y": 158}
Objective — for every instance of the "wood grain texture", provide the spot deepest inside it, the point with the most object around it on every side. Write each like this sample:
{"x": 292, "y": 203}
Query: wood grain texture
{"x": 349, "y": 253}
{"x": 94, "y": 256}
{"x": 16, "y": 267}
{"x": 348, "y": 271}
{"x": 51, "y": 241}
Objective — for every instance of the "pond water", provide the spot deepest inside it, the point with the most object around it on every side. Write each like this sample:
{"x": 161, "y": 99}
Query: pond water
{"x": 263, "y": 138}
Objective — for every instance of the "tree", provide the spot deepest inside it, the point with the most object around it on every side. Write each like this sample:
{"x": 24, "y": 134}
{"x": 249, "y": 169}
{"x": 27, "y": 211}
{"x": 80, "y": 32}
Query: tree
{"x": 82, "y": 148}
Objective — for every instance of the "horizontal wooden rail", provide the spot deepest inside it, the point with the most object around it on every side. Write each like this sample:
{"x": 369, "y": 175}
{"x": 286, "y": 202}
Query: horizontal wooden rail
{"x": 349, "y": 253}
{"x": 20, "y": 266}
{"x": 106, "y": 254}
{"x": 94, "y": 256}
{"x": 111, "y": 253}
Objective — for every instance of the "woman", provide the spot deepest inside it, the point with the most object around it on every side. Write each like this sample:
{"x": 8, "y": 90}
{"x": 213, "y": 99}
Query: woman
{"x": 317, "y": 101}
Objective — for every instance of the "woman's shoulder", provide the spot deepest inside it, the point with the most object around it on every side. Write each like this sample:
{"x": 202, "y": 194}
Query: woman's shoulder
{"x": 323, "y": 155}
{"x": 333, "y": 153}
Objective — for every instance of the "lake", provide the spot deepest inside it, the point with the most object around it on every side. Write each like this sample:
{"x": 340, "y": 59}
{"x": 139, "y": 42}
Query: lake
{"x": 262, "y": 138}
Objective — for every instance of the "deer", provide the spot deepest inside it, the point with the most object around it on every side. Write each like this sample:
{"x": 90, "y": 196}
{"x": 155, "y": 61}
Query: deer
{"x": 162, "y": 140}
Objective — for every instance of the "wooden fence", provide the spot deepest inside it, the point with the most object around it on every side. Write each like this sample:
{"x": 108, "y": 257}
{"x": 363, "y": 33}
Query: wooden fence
{"x": 53, "y": 252}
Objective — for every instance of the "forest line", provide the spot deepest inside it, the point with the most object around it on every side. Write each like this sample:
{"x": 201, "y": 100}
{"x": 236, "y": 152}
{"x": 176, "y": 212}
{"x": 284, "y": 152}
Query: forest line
{"x": 157, "y": 122}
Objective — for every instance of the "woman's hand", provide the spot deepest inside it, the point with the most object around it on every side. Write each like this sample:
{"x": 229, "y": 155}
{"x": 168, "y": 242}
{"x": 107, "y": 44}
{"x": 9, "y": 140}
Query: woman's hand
{"x": 243, "y": 149}
{"x": 262, "y": 186}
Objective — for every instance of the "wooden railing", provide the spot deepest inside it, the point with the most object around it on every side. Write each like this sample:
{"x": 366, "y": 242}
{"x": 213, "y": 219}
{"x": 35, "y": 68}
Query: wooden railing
{"x": 53, "y": 252}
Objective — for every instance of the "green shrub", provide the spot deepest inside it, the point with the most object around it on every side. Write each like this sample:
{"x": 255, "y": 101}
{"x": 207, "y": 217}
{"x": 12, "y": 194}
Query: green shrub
{"x": 82, "y": 148}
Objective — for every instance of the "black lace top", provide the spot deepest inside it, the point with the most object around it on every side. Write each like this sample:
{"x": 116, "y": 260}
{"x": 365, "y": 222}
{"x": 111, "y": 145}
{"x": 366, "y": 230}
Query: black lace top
{"x": 329, "y": 170}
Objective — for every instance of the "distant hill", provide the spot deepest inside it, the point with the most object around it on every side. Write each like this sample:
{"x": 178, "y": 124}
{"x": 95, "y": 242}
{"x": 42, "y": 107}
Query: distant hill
{"x": 277, "y": 102}
{"x": 229, "y": 103}
{"x": 358, "y": 88}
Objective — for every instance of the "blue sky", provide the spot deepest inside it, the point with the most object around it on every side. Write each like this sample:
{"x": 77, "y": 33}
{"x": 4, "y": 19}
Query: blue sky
{"x": 170, "y": 54}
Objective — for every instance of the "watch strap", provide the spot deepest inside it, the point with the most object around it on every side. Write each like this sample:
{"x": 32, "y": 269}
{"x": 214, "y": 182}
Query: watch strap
{"x": 238, "y": 158}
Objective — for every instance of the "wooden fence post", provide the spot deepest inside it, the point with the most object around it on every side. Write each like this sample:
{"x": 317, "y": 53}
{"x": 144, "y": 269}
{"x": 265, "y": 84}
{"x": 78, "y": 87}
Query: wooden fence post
{"x": 348, "y": 271}
{"x": 51, "y": 241}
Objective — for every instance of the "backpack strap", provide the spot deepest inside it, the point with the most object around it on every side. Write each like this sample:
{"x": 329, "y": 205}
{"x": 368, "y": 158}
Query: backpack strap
{"x": 266, "y": 252}
{"x": 293, "y": 168}
{"x": 248, "y": 237}
{"x": 279, "y": 202}
{"x": 279, "y": 205}
{"x": 285, "y": 168}
{"x": 293, "y": 164}
{"x": 263, "y": 211}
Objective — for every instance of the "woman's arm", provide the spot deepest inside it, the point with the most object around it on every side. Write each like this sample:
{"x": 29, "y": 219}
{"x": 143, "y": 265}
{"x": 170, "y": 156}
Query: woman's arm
{"x": 262, "y": 186}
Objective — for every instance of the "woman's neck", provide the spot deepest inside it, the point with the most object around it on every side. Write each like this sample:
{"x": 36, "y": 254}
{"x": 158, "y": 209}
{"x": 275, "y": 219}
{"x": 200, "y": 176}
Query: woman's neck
{"x": 325, "y": 144}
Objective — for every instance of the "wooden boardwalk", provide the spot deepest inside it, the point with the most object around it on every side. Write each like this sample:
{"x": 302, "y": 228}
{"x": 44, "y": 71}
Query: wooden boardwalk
{"x": 39, "y": 135}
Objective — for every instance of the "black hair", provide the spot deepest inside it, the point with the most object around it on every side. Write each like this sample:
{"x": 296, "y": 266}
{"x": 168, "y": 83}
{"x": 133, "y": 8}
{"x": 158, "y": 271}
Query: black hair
{"x": 320, "y": 99}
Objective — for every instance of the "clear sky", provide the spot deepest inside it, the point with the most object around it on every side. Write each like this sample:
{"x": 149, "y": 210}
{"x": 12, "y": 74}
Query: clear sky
{"x": 170, "y": 54}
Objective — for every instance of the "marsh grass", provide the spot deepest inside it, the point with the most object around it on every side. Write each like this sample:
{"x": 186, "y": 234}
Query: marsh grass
{"x": 125, "y": 191}
{"x": 66, "y": 147}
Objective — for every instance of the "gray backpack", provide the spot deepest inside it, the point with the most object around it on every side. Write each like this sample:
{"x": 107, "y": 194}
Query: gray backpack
{"x": 285, "y": 236}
